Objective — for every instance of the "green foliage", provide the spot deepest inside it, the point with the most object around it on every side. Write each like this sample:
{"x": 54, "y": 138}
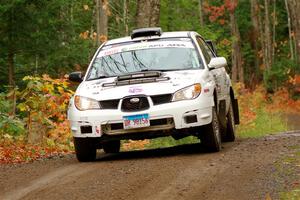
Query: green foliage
{"x": 12, "y": 126}
{"x": 176, "y": 15}
{"x": 9, "y": 125}
{"x": 44, "y": 99}
{"x": 278, "y": 75}
{"x": 44, "y": 102}
{"x": 44, "y": 37}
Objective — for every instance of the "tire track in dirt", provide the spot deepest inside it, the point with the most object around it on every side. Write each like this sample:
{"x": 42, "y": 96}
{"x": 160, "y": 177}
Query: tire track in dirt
{"x": 61, "y": 175}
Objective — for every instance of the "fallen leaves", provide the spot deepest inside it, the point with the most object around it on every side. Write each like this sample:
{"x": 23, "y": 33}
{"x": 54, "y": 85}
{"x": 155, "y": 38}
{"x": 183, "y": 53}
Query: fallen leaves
{"x": 137, "y": 145}
{"x": 19, "y": 152}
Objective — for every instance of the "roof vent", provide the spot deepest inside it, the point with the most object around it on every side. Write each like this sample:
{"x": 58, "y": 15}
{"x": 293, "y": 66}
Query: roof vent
{"x": 144, "y": 32}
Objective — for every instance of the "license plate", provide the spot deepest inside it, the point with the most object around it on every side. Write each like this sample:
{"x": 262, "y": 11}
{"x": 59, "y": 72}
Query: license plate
{"x": 136, "y": 121}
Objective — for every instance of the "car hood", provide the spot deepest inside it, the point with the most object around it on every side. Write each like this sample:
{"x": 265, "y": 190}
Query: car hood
{"x": 177, "y": 80}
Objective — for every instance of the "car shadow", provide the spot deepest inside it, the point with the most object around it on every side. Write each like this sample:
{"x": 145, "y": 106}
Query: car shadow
{"x": 186, "y": 149}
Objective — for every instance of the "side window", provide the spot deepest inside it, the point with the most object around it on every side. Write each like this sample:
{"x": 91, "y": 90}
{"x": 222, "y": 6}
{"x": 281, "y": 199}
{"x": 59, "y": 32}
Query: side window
{"x": 205, "y": 50}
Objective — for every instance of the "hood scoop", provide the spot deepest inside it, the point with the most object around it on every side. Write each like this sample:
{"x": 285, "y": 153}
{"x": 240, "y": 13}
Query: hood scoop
{"x": 139, "y": 75}
{"x": 137, "y": 78}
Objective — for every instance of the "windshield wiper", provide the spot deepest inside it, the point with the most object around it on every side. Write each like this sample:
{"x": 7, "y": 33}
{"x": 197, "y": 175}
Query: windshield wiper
{"x": 164, "y": 70}
{"x": 151, "y": 70}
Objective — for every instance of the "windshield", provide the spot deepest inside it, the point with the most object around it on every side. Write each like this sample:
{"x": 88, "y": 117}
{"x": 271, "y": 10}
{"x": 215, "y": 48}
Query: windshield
{"x": 145, "y": 56}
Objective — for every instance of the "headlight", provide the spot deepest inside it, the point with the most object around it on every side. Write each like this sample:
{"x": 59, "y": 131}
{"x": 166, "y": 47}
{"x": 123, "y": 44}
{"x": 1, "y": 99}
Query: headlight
{"x": 187, "y": 93}
{"x": 84, "y": 103}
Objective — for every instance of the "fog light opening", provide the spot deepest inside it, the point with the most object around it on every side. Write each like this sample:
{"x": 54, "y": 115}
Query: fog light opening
{"x": 86, "y": 129}
{"x": 190, "y": 119}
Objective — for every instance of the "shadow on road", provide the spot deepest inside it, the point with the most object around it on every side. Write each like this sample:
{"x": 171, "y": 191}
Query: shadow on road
{"x": 151, "y": 153}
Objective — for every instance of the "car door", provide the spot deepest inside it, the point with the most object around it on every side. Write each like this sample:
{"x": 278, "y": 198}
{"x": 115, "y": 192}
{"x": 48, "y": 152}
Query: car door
{"x": 218, "y": 74}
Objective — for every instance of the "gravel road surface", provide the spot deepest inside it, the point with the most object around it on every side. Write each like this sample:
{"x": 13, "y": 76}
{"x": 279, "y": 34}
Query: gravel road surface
{"x": 245, "y": 169}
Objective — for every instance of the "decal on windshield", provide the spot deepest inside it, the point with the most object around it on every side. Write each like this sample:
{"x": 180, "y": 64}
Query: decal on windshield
{"x": 148, "y": 45}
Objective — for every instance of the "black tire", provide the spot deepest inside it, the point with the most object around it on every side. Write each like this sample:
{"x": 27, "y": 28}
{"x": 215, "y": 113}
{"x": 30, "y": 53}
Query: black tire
{"x": 112, "y": 146}
{"x": 230, "y": 126}
{"x": 211, "y": 137}
{"x": 85, "y": 149}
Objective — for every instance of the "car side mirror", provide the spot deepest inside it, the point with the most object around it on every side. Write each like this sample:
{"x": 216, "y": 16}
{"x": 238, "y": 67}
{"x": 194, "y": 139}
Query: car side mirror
{"x": 76, "y": 77}
{"x": 217, "y": 62}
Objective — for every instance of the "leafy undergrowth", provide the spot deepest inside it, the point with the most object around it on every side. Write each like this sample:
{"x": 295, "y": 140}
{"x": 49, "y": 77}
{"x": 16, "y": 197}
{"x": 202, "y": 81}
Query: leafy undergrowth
{"x": 35, "y": 115}
{"x": 261, "y": 113}
{"x": 12, "y": 151}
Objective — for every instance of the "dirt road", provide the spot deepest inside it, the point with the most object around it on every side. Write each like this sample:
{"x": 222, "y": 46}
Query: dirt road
{"x": 246, "y": 169}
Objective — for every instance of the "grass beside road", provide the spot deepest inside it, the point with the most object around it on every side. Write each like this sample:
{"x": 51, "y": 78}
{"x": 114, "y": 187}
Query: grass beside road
{"x": 265, "y": 123}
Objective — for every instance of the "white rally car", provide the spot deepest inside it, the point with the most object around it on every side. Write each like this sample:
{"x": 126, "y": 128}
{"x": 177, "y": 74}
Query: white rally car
{"x": 149, "y": 85}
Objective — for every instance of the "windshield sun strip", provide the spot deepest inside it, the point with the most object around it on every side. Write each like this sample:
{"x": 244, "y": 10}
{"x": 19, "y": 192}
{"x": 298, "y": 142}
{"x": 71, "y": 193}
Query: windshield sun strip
{"x": 138, "y": 64}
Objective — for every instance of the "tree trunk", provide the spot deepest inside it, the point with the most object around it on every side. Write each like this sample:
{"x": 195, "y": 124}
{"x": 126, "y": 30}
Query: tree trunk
{"x": 256, "y": 39}
{"x": 101, "y": 19}
{"x": 11, "y": 52}
{"x": 201, "y": 21}
{"x": 294, "y": 6}
{"x": 154, "y": 13}
{"x": 125, "y": 17}
{"x": 267, "y": 38}
{"x": 143, "y": 12}
{"x": 11, "y": 68}
{"x": 290, "y": 31}
{"x": 262, "y": 35}
{"x": 148, "y": 12}
{"x": 237, "y": 67}
{"x": 274, "y": 31}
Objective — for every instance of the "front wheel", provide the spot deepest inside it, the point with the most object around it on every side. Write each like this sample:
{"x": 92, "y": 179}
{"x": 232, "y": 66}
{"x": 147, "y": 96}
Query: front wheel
{"x": 211, "y": 137}
{"x": 85, "y": 149}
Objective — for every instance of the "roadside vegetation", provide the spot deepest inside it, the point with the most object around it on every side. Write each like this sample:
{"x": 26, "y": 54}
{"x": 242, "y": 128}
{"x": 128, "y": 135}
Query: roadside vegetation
{"x": 40, "y": 127}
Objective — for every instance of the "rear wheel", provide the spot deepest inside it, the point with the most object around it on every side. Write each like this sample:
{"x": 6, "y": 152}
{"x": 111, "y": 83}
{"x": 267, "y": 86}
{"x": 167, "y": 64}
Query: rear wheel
{"x": 211, "y": 137}
{"x": 112, "y": 146}
{"x": 85, "y": 149}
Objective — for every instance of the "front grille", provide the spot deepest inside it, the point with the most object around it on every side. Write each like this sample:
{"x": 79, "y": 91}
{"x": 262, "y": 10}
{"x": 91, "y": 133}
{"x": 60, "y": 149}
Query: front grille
{"x": 161, "y": 99}
{"x": 109, "y": 104}
{"x": 140, "y": 103}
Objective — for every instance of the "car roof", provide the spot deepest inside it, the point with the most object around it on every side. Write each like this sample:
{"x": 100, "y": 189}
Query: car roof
{"x": 163, "y": 35}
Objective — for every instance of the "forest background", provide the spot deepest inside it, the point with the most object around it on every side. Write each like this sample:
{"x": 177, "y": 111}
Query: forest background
{"x": 42, "y": 41}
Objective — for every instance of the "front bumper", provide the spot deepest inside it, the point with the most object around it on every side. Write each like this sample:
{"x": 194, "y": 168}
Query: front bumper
{"x": 164, "y": 117}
